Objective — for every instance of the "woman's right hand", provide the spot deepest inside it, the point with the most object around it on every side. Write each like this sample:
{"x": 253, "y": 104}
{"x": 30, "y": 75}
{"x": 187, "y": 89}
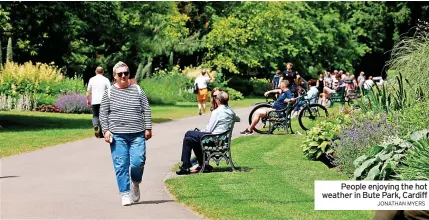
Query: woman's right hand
{"x": 107, "y": 136}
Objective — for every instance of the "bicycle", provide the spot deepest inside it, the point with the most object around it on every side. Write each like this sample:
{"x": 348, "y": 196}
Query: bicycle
{"x": 309, "y": 115}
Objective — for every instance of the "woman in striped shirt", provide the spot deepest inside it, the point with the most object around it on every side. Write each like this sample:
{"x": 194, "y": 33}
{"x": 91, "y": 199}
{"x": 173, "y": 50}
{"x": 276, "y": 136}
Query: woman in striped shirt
{"x": 126, "y": 122}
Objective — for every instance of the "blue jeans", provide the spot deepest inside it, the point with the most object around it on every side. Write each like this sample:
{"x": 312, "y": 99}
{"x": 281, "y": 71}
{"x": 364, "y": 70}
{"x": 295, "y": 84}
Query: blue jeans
{"x": 299, "y": 105}
{"x": 128, "y": 154}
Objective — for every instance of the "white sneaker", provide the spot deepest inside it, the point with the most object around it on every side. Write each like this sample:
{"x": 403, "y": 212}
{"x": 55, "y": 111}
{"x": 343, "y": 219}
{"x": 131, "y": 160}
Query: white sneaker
{"x": 135, "y": 192}
{"x": 126, "y": 200}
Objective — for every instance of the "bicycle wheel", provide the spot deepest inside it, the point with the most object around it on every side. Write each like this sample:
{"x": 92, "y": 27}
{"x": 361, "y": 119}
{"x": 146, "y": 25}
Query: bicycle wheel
{"x": 311, "y": 115}
{"x": 263, "y": 126}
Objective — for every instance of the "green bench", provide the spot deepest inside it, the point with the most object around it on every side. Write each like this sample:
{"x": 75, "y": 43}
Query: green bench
{"x": 217, "y": 147}
{"x": 340, "y": 96}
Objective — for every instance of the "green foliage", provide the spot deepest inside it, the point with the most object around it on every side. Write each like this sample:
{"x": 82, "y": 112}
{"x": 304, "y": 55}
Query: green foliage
{"x": 417, "y": 160}
{"x": 409, "y": 57}
{"x": 320, "y": 139}
{"x": 39, "y": 83}
{"x": 410, "y": 119}
{"x": 392, "y": 97}
{"x": 166, "y": 87}
{"x": 318, "y": 34}
{"x": 382, "y": 162}
{"x": 236, "y": 37}
{"x": 240, "y": 84}
{"x": 260, "y": 86}
{"x": 69, "y": 85}
{"x": 219, "y": 81}
{"x": 234, "y": 94}
{"x": 9, "y": 52}
{"x": 45, "y": 99}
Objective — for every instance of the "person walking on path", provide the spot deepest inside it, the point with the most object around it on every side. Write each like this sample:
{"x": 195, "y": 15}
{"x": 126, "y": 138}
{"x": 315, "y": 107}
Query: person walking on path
{"x": 201, "y": 82}
{"x": 96, "y": 87}
{"x": 126, "y": 121}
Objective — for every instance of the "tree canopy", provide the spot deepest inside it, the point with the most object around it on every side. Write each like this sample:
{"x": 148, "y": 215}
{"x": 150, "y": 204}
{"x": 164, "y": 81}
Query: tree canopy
{"x": 233, "y": 37}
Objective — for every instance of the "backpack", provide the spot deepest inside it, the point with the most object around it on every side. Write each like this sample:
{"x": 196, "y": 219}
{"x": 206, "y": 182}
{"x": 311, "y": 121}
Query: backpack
{"x": 196, "y": 88}
{"x": 110, "y": 88}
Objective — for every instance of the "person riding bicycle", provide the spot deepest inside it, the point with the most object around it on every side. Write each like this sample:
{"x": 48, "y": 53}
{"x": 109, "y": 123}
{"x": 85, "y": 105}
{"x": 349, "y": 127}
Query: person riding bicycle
{"x": 292, "y": 77}
{"x": 286, "y": 97}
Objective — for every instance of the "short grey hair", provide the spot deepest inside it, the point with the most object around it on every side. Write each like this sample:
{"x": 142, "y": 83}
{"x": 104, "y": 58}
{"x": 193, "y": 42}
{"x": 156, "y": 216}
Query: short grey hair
{"x": 118, "y": 65}
{"x": 223, "y": 97}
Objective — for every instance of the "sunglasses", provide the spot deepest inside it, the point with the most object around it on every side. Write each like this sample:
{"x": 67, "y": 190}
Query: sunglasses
{"x": 123, "y": 74}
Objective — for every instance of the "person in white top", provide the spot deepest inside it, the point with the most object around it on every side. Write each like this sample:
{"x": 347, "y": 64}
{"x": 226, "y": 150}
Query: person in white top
{"x": 201, "y": 82}
{"x": 368, "y": 83}
{"x": 96, "y": 87}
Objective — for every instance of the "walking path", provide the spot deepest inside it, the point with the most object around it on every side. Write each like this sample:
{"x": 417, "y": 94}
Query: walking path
{"x": 76, "y": 180}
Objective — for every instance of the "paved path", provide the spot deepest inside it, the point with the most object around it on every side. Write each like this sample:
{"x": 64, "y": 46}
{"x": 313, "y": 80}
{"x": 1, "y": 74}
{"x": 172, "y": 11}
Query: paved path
{"x": 76, "y": 180}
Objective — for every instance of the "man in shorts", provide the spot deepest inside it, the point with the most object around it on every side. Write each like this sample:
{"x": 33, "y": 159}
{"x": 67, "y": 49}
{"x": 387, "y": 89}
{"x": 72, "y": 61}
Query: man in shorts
{"x": 286, "y": 97}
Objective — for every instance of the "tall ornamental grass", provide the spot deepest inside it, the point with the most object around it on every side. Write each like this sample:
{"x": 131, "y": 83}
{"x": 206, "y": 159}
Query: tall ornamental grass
{"x": 410, "y": 57}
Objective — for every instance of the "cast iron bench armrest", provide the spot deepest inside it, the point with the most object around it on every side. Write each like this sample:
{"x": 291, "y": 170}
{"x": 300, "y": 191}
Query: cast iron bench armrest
{"x": 217, "y": 147}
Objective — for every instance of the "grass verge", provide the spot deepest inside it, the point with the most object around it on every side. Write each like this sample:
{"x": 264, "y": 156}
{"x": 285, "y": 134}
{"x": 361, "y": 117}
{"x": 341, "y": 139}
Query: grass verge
{"x": 277, "y": 182}
{"x": 27, "y": 131}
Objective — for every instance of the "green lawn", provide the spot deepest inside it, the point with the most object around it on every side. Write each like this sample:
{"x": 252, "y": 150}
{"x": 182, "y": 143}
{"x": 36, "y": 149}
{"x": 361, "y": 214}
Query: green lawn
{"x": 28, "y": 131}
{"x": 278, "y": 183}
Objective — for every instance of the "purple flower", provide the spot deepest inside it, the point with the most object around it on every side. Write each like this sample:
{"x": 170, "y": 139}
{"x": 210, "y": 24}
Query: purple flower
{"x": 73, "y": 103}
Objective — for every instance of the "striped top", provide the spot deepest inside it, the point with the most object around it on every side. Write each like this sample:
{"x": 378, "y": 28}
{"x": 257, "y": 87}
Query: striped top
{"x": 126, "y": 111}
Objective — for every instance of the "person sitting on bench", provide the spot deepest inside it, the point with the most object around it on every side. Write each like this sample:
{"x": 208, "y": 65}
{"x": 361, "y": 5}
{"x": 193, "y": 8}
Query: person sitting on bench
{"x": 286, "y": 97}
{"x": 327, "y": 92}
{"x": 220, "y": 121}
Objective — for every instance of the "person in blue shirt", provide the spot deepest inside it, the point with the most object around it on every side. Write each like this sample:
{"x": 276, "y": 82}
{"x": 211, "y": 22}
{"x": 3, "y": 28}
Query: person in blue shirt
{"x": 276, "y": 79}
{"x": 286, "y": 97}
{"x": 311, "y": 96}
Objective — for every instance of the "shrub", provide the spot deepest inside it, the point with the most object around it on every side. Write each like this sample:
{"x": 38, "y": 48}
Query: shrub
{"x": 233, "y": 94}
{"x": 45, "y": 99}
{"x": 167, "y": 87}
{"x": 382, "y": 161}
{"x": 320, "y": 139}
{"x": 69, "y": 85}
{"x": 241, "y": 85}
{"x": 410, "y": 119}
{"x": 260, "y": 86}
{"x": 358, "y": 136}
{"x": 28, "y": 78}
{"x": 73, "y": 103}
{"x": 42, "y": 83}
